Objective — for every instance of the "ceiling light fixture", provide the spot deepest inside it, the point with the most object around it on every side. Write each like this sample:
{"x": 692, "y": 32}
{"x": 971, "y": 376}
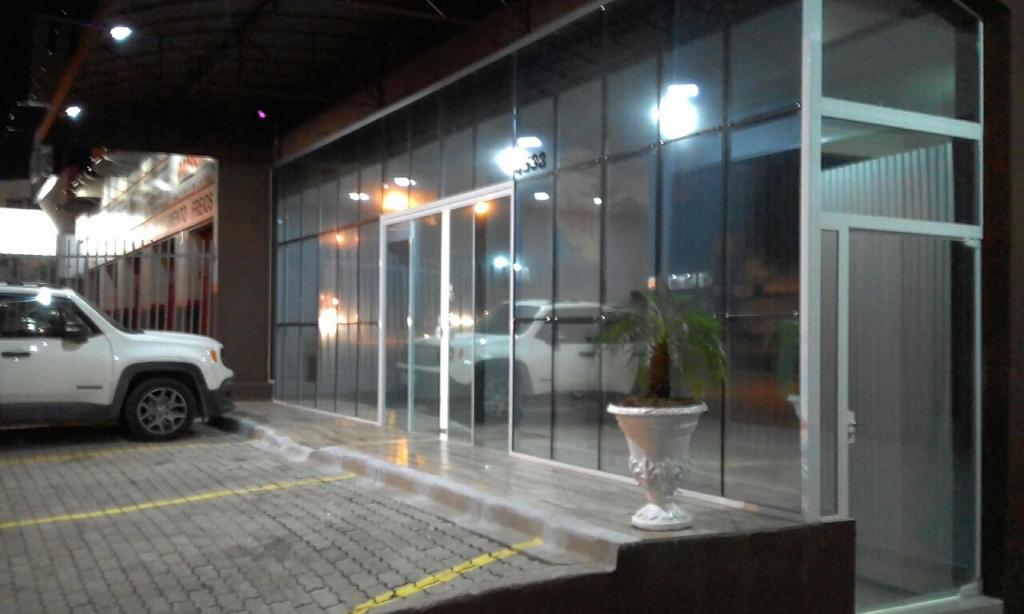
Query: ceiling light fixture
{"x": 73, "y": 111}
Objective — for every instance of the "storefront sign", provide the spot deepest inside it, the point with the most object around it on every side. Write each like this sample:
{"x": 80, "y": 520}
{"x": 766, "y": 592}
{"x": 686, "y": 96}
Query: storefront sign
{"x": 193, "y": 209}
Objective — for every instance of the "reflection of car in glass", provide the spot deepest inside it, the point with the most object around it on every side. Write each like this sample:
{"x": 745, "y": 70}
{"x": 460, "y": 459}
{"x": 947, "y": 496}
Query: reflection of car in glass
{"x": 64, "y": 361}
{"x": 479, "y": 357}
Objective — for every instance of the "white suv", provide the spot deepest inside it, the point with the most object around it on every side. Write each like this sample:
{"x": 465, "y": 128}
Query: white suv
{"x": 64, "y": 361}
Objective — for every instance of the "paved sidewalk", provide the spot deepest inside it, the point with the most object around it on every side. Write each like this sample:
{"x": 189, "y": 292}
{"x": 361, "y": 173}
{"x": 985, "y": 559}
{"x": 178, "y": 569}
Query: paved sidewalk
{"x": 90, "y": 522}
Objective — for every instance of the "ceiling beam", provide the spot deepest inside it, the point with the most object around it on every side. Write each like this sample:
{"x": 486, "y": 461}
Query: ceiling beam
{"x": 406, "y": 13}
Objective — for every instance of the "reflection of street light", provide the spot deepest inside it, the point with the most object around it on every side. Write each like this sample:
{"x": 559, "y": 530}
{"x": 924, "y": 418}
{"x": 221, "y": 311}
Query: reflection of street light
{"x": 676, "y": 113}
{"x": 541, "y": 196}
{"x": 120, "y": 33}
{"x": 528, "y": 142}
{"x": 512, "y": 159}
{"x": 499, "y": 262}
{"x": 396, "y": 201}
{"x": 482, "y": 207}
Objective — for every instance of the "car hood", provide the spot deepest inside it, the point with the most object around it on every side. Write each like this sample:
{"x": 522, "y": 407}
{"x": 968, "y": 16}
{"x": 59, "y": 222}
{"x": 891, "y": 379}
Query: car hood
{"x": 159, "y": 336}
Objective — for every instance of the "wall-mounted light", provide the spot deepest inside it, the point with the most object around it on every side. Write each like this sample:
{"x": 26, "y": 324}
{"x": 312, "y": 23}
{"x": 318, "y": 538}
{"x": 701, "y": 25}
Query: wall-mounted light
{"x": 512, "y": 159}
{"x": 73, "y": 111}
{"x": 528, "y": 142}
{"x": 120, "y": 33}
{"x": 404, "y": 182}
{"x": 541, "y": 196}
{"x": 359, "y": 196}
{"x": 598, "y": 201}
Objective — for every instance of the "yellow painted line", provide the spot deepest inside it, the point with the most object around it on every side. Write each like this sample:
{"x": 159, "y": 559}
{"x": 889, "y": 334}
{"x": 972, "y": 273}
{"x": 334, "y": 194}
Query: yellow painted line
{"x": 445, "y": 576}
{"x": 66, "y": 456}
{"x": 206, "y": 496}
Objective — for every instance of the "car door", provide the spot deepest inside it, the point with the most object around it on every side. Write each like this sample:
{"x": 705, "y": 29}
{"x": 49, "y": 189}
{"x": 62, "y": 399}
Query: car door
{"x": 42, "y": 374}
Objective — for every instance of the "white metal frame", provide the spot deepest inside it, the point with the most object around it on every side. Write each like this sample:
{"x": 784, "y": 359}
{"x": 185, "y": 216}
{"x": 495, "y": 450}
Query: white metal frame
{"x": 814, "y": 220}
{"x": 444, "y": 207}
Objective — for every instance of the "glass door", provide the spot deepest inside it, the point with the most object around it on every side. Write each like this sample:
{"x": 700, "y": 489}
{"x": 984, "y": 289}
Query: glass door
{"x": 899, "y": 384}
{"x": 446, "y": 346}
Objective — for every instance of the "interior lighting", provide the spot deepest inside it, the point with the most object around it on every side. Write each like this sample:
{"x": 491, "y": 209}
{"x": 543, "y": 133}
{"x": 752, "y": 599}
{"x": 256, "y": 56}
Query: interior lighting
{"x": 404, "y": 182}
{"x": 676, "y": 114}
{"x": 359, "y": 196}
{"x": 598, "y": 201}
{"x": 328, "y": 320}
{"x": 541, "y": 196}
{"x": 73, "y": 111}
{"x": 499, "y": 262}
{"x": 120, "y": 33}
{"x": 482, "y": 207}
{"x": 529, "y": 142}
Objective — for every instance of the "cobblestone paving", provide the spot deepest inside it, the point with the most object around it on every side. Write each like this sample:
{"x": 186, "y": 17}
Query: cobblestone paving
{"x": 308, "y": 548}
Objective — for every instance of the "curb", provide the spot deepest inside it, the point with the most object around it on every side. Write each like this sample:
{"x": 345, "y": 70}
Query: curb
{"x": 597, "y": 544}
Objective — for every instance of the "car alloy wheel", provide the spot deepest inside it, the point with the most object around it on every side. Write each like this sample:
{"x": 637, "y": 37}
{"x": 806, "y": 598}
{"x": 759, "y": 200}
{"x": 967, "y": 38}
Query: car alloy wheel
{"x": 162, "y": 411}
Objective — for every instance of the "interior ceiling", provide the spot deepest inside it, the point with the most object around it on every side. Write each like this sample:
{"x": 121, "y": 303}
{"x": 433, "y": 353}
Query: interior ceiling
{"x": 204, "y": 65}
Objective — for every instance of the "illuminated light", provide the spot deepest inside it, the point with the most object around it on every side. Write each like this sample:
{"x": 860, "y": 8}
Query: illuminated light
{"x": 46, "y": 188}
{"x": 260, "y": 113}
{"x": 403, "y": 182}
{"x": 340, "y": 238}
{"x": 162, "y": 185}
{"x": 73, "y": 111}
{"x": 359, "y": 196}
{"x": 499, "y": 262}
{"x": 652, "y": 283}
{"x": 396, "y": 201}
{"x": 335, "y": 302}
{"x": 541, "y": 196}
{"x": 328, "y": 320}
{"x": 598, "y": 201}
{"x": 517, "y": 267}
{"x": 676, "y": 113}
{"x": 364, "y": 196}
{"x": 44, "y": 297}
{"x": 528, "y": 142}
{"x": 482, "y": 207}
{"x": 512, "y": 160}
{"x": 120, "y": 33}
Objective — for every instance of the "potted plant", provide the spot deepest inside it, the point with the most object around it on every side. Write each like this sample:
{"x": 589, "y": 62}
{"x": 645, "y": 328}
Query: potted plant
{"x": 664, "y": 334}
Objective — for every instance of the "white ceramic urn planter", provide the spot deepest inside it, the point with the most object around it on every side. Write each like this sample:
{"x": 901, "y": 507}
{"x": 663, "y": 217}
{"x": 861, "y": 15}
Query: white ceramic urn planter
{"x": 659, "y": 459}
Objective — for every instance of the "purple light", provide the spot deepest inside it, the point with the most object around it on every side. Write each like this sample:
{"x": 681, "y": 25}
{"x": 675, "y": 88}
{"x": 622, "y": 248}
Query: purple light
{"x": 261, "y": 114}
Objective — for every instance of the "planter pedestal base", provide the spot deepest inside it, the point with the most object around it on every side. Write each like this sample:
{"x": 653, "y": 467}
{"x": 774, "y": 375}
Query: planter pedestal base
{"x": 666, "y": 517}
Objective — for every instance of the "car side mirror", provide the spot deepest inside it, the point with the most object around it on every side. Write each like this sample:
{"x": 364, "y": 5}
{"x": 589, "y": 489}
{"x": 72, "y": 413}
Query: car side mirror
{"x": 76, "y": 332}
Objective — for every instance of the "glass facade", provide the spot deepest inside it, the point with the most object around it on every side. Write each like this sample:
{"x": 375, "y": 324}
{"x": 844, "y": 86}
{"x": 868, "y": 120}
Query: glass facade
{"x": 655, "y": 145}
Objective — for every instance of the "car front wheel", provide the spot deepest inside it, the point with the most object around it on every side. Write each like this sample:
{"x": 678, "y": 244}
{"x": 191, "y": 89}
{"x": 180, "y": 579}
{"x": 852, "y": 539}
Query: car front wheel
{"x": 159, "y": 409}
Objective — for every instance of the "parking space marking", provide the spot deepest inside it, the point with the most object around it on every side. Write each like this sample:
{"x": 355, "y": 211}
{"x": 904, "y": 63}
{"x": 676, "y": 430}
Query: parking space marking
{"x": 66, "y": 456}
{"x": 217, "y": 494}
{"x": 447, "y": 575}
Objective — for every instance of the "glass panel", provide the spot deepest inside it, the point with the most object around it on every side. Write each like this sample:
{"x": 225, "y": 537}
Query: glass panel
{"x": 369, "y": 273}
{"x": 532, "y": 385}
{"x": 347, "y": 367}
{"x": 691, "y": 78}
{"x": 310, "y": 211}
{"x": 346, "y": 243}
{"x": 492, "y": 137}
{"x": 579, "y": 124}
{"x": 462, "y": 343}
{"x": 371, "y": 193}
{"x": 908, "y": 54}
{"x": 911, "y": 388}
{"x": 396, "y": 184}
{"x": 632, "y": 99}
{"x": 328, "y": 205}
{"x": 829, "y": 370}
{"x": 308, "y": 366}
{"x": 426, "y": 168}
{"x": 348, "y": 199}
{"x": 492, "y": 88}
{"x": 764, "y": 219}
{"x": 577, "y": 398}
{"x": 875, "y": 170}
{"x": 368, "y": 343}
{"x": 765, "y": 59}
{"x": 279, "y": 362}
{"x": 280, "y": 280}
{"x": 762, "y": 431}
{"x": 293, "y": 216}
{"x": 292, "y": 277}
{"x": 310, "y": 278}
{"x": 327, "y": 319}
{"x": 632, "y": 192}
{"x": 535, "y": 129}
{"x": 578, "y": 240}
{"x": 692, "y": 217}
{"x": 534, "y": 237}
{"x": 425, "y": 323}
{"x": 396, "y": 380}
{"x": 491, "y": 340}
{"x": 292, "y": 362}
{"x": 457, "y": 162}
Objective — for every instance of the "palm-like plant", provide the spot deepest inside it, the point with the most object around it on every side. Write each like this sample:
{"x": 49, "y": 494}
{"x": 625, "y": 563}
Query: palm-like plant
{"x": 665, "y": 332}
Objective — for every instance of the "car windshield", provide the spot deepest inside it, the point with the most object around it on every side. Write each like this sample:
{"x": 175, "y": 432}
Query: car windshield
{"x": 110, "y": 320}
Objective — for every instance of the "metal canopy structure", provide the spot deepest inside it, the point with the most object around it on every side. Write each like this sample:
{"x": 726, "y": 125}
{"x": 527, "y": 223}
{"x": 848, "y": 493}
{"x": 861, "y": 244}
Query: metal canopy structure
{"x": 211, "y": 66}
